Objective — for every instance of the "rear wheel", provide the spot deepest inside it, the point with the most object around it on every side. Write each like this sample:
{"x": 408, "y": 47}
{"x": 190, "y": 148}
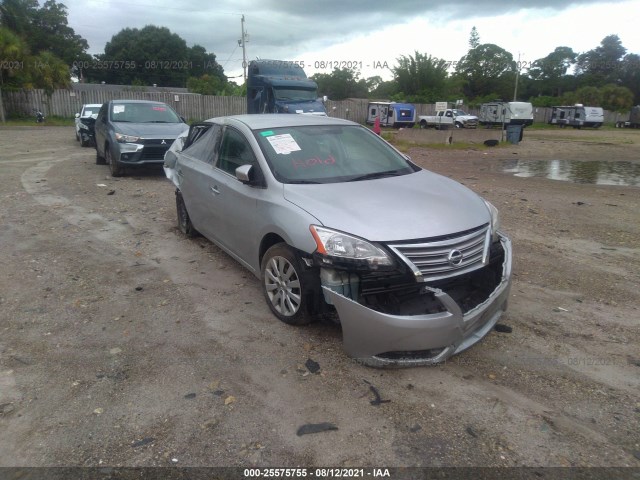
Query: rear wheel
{"x": 117, "y": 170}
{"x": 286, "y": 286}
{"x": 184, "y": 221}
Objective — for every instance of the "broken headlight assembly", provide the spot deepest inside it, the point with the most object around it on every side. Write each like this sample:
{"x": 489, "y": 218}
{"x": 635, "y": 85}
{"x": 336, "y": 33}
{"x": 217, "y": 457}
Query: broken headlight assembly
{"x": 495, "y": 220}
{"x": 336, "y": 248}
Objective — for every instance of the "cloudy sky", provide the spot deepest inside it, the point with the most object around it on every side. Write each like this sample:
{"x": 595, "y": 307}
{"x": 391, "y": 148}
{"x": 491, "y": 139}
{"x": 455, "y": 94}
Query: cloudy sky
{"x": 367, "y": 33}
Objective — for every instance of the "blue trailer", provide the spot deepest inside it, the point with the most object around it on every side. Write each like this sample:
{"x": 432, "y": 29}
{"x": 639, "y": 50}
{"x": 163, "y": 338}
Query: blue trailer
{"x": 392, "y": 114}
{"x": 275, "y": 86}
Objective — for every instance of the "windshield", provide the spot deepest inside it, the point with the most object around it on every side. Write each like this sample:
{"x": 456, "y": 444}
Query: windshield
{"x": 457, "y": 113}
{"x": 297, "y": 94}
{"x": 91, "y": 111}
{"x": 329, "y": 154}
{"x": 143, "y": 113}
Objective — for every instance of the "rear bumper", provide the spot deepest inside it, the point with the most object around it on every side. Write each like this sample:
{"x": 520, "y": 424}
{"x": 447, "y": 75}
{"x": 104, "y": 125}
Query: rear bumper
{"x": 378, "y": 339}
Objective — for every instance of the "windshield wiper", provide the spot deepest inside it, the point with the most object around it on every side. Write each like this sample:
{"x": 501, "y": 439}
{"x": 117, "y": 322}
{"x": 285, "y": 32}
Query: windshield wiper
{"x": 371, "y": 176}
{"x": 302, "y": 181}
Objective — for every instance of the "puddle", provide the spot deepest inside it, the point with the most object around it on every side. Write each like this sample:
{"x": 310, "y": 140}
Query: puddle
{"x": 577, "y": 171}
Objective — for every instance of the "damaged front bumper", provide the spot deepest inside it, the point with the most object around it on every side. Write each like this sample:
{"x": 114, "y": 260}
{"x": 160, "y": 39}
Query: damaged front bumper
{"x": 380, "y": 339}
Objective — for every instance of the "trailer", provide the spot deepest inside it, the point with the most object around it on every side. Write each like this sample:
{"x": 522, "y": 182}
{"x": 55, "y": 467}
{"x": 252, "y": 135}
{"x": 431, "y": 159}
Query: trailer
{"x": 634, "y": 119}
{"x": 577, "y": 116}
{"x": 392, "y": 114}
{"x": 506, "y": 113}
{"x": 276, "y": 86}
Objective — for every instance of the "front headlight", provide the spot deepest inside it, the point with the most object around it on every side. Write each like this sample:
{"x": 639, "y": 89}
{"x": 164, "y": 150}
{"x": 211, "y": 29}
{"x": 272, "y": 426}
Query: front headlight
{"x": 495, "y": 219}
{"x": 343, "y": 246}
{"x": 121, "y": 138}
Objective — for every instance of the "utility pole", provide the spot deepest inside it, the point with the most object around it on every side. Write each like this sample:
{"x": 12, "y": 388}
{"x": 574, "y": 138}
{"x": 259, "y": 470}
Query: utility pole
{"x": 515, "y": 90}
{"x": 243, "y": 40}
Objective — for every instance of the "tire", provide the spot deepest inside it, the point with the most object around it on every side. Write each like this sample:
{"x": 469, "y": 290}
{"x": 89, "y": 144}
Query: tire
{"x": 286, "y": 286}
{"x": 458, "y": 125}
{"x": 77, "y": 136}
{"x": 100, "y": 160}
{"x": 83, "y": 143}
{"x": 423, "y": 124}
{"x": 184, "y": 221}
{"x": 116, "y": 168}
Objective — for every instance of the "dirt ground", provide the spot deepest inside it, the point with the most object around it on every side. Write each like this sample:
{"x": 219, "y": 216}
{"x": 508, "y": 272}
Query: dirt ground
{"x": 123, "y": 343}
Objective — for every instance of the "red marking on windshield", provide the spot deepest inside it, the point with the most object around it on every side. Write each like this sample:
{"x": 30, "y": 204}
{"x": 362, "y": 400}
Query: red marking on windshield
{"x": 160, "y": 109}
{"x": 312, "y": 162}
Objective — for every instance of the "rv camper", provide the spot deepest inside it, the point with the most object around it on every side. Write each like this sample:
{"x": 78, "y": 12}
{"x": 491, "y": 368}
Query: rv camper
{"x": 392, "y": 114}
{"x": 276, "y": 86}
{"x": 506, "y": 113}
{"x": 634, "y": 119}
{"x": 577, "y": 116}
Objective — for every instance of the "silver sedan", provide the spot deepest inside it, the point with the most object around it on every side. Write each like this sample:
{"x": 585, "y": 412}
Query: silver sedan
{"x": 332, "y": 218}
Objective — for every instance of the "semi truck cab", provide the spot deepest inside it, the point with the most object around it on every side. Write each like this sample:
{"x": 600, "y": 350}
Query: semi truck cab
{"x": 275, "y": 86}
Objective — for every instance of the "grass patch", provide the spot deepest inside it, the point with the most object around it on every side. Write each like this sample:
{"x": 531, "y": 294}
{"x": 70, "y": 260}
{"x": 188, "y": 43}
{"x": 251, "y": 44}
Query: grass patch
{"x": 31, "y": 122}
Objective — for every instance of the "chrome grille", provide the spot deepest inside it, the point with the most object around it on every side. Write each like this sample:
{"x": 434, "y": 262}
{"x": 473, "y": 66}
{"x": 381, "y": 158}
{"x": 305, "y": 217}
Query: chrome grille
{"x": 435, "y": 259}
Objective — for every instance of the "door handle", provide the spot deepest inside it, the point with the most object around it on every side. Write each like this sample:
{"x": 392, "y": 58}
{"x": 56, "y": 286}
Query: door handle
{"x": 215, "y": 190}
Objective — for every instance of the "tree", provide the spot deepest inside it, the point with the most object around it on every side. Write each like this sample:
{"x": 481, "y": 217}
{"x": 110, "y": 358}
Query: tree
{"x": 45, "y": 34}
{"x": 630, "y": 74}
{"x": 18, "y": 15}
{"x": 474, "y": 38}
{"x": 202, "y": 63}
{"x": 50, "y": 32}
{"x": 50, "y": 72}
{"x": 554, "y": 65}
{"x": 549, "y": 74}
{"x": 341, "y": 83}
{"x": 206, "y": 85}
{"x": 421, "y": 77}
{"x": 584, "y": 95}
{"x": 602, "y": 64}
{"x": 383, "y": 90}
{"x": 153, "y": 55}
{"x": 487, "y": 69}
{"x": 616, "y": 98}
{"x": 13, "y": 52}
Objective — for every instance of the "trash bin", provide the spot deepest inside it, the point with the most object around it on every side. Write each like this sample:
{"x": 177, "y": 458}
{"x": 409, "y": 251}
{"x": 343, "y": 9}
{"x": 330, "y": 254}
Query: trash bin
{"x": 514, "y": 134}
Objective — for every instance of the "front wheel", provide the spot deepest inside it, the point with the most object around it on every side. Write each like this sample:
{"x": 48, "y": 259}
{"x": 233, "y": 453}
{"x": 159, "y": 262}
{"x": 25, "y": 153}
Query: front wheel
{"x": 286, "y": 287}
{"x": 458, "y": 125}
{"x": 100, "y": 160}
{"x": 117, "y": 170}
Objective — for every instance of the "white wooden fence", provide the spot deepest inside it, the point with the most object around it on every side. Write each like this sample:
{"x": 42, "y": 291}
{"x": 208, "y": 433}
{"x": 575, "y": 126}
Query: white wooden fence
{"x": 66, "y": 103}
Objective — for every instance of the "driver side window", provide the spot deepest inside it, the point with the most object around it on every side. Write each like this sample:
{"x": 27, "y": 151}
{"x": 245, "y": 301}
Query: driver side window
{"x": 234, "y": 152}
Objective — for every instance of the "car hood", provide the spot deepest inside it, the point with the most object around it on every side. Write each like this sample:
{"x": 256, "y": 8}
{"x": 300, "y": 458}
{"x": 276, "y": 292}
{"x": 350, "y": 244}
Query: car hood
{"x": 466, "y": 117}
{"x": 418, "y": 205}
{"x": 151, "y": 130}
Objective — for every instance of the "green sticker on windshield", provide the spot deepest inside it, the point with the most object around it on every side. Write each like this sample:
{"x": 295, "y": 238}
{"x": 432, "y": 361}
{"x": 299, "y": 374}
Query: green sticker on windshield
{"x": 267, "y": 133}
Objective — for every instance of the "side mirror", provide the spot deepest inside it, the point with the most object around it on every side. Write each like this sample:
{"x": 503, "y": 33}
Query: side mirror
{"x": 77, "y": 115}
{"x": 243, "y": 172}
{"x": 325, "y": 98}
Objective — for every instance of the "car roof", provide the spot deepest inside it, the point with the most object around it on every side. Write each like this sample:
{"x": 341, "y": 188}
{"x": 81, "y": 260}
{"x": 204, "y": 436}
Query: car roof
{"x": 275, "y": 120}
{"x": 135, "y": 101}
